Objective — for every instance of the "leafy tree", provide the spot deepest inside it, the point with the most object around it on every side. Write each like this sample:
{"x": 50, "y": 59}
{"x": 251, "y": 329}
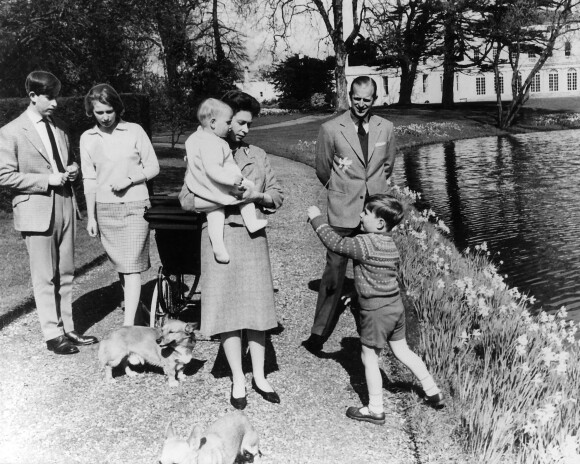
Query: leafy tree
{"x": 194, "y": 47}
{"x": 81, "y": 41}
{"x": 461, "y": 24}
{"x": 365, "y": 51}
{"x": 298, "y": 78}
{"x": 405, "y": 32}
{"x": 331, "y": 12}
{"x": 525, "y": 26}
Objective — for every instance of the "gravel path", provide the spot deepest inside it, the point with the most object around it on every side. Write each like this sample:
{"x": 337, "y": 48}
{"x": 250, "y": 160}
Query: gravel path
{"x": 58, "y": 409}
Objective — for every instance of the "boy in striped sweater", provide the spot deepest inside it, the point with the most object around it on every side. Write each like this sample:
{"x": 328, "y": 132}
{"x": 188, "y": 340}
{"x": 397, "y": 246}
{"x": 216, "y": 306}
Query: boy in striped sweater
{"x": 382, "y": 315}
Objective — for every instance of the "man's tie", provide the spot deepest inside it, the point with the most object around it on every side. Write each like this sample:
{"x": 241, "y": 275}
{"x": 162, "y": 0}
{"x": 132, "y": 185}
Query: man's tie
{"x": 361, "y": 129}
{"x": 54, "y": 147}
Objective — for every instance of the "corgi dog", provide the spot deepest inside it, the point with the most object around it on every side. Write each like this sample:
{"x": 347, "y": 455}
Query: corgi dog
{"x": 133, "y": 345}
{"x": 230, "y": 439}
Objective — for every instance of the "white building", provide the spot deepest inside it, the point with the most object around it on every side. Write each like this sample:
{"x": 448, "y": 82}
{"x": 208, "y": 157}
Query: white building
{"x": 557, "y": 78}
{"x": 259, "y": 89}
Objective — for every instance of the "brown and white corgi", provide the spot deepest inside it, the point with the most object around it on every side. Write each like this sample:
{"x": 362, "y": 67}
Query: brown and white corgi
{"x": 133, "y": 345}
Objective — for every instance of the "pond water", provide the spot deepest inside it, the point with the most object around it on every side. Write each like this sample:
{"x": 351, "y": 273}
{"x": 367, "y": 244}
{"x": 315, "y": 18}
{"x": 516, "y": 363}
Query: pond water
{"x": 521, "y": 195}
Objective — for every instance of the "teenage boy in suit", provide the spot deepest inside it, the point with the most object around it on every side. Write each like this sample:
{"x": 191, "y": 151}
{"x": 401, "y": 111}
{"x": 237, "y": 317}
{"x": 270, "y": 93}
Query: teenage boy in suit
{"x": 355, "y": 156}
{"x": 35, "y": 163}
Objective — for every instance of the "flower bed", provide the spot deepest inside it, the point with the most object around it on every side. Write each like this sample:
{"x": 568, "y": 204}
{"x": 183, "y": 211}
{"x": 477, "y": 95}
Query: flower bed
{"x": 570, "y": 120}
{"x": 514, "y": 376}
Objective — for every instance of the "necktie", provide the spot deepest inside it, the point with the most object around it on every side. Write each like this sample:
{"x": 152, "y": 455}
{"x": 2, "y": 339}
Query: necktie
{"x": 55, "y": 154}
{"x": 361, "y": 130}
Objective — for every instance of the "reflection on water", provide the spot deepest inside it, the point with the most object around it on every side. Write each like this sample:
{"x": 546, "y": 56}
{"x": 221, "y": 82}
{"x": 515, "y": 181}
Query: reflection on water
{"x": 520, "y": 194}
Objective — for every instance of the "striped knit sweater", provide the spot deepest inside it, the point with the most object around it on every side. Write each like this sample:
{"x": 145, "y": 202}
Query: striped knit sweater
{"x": 376, "y": 263}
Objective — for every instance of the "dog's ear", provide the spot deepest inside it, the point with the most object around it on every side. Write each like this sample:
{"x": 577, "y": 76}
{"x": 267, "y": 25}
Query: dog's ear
{"x": 194, "y": 440}
{"x": 169, "y": 432}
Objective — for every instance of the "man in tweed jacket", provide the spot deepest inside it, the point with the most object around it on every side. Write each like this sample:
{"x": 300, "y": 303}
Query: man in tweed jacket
{"x": 35, "y": 163}
{"x": 355, "y": 156}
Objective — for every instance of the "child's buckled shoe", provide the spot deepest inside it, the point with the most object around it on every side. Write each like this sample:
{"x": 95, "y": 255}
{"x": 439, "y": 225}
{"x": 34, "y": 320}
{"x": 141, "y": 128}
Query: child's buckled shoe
{"x": 355, "y": 413}
{"x": 435, "y": 401}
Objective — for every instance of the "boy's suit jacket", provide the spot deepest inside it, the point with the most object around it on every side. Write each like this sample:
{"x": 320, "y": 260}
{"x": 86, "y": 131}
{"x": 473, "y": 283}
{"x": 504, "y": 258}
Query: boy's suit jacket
{"x": 338, "y": 140}
{"x": 25, "y": 167}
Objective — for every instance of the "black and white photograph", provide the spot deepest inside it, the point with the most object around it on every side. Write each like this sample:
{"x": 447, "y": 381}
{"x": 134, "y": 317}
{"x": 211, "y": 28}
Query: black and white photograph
{"x": 289, "y": 231}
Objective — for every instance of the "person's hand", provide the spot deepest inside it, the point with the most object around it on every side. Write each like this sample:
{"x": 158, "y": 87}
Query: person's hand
{"x": 248, "y": 184}
{"x": 121, "y": 184}
{"x": 238, "y": 179}
{"x": 313, "y": 212}
{"x": 73, "y": 172}
{"x": 92, "y": 227}
{"x": 251, "y": 196}
{"x": 57, "y": 180}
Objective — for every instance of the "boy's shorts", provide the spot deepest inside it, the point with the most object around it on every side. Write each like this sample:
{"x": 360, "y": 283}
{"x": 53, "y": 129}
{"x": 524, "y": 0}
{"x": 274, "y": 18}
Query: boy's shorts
{"x": 382, "y": 325}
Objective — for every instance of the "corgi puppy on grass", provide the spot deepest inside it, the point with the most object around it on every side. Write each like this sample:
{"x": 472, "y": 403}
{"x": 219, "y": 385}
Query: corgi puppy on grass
{"x": 134, "y": 345}
{"x": 230, "y": 439}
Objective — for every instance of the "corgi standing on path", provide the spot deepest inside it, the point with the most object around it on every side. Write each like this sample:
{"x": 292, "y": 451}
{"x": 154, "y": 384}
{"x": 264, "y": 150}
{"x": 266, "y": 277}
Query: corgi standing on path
{"x": 171, "y": 350}
{"x": 228, "y": 439}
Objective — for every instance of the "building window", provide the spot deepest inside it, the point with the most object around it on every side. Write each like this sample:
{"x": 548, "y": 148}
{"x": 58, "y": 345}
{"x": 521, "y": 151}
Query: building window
{"x": 500, "y": 78}
{"x": 531, "y": 56}
{"x": 424, "y": 83}
{"x": 480, "y": 85}
{"x": 456, "y": 81}
{"x": 476, "y": 55}
{"x": 567, "y": 49}
{"x": 572, "y": 79}
{"x": 386, "y": 85}
{"x": 441, "y": 82}
{"x": 519, "y": 81}
{"x": 535, "y": 86}
{"x": 553, "y": 80}
{"x": 494, "y": 53}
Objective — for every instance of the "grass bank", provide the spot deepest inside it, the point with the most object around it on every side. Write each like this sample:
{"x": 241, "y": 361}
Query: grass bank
{"x": 513, "y": 377}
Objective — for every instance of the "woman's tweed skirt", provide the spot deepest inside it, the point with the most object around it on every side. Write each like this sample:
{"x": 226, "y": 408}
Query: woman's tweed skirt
{"x": 240, "y": 294}
{"x": 125, "y": 235}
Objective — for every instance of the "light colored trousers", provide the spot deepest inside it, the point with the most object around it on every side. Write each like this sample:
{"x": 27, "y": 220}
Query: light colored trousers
{"x": 52, "y": 267}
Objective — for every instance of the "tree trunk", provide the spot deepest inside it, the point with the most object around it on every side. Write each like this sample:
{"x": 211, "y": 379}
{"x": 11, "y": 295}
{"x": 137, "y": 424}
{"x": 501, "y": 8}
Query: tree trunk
{"x": 220, "y": 55}
{"x": 497, "y": 85}
{"x": 406, "y": 88}
{"x": 448, "y": 66}
{"x": 342, "y": 100}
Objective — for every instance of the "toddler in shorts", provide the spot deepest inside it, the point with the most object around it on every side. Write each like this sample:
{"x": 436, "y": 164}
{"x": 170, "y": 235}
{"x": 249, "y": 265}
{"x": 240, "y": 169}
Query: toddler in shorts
{"x": 214, "y": 177}
{"x": 382, "y": 315}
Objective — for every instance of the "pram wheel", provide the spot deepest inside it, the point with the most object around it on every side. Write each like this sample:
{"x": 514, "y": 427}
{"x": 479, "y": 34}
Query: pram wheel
{"x": 162, "y": 299}
{"x": 178, "y": 237}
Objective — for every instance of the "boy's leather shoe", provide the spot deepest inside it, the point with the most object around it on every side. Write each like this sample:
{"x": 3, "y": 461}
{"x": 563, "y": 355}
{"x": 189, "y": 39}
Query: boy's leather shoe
{"x": 314, "y": 343}
{"x": 355, "y": 413}
{"x": 61, "y": 345}
{"x": 435, "y": 401}
{"x": 77, "y": 339}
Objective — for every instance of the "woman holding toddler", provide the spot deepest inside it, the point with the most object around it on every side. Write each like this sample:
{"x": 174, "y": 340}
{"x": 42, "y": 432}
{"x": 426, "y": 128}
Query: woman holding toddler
{"x": 239, "y": 294}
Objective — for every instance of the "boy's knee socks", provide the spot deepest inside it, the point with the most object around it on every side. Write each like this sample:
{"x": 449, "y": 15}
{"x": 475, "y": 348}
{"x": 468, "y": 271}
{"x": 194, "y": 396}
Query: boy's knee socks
{"x": 376, "y": 403}
{"x": 429, "y": 386}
